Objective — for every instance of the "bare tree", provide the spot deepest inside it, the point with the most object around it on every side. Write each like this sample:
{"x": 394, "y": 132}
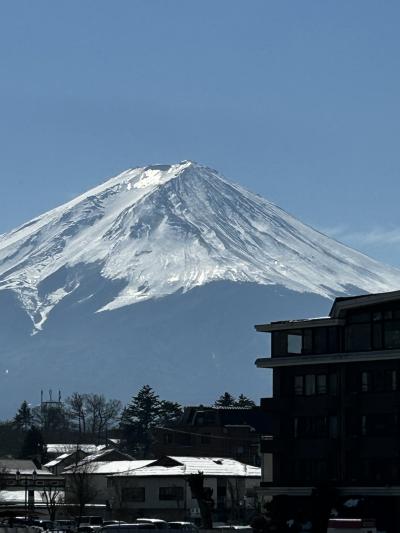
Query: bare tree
{"x": 80, "y": 489}
{"x": 92, "y": 413}
{"x": 76, "y": 406}
{"x": 53, "y": 498}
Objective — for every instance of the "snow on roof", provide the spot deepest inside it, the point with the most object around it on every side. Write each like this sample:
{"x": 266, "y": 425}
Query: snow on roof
{"x": 23, "y": 466}
{"x": 18, "y": 496}
{"x": 210, "y": 466}
{"x": 112, "y": 467}
{"x": 58, "y": 460}
{"x": 68, "y": 448}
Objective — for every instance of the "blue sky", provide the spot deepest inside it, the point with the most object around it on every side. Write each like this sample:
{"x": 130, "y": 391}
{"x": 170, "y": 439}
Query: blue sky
{"x": 298, "y": 101}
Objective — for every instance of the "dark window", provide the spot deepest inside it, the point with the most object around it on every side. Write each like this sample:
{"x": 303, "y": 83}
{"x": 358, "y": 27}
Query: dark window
{"x": 133, "y": 494}
{"x": 358, "y": 318}
{"x": 279, "y": 343}
{"x": 322, "y": 387}
{"x": 333, "y": 427}
{"x": 379, "y": 425}
{"x": 310, "y": 384}
{"x": 358, "y": 337}
{"x": 333, "y": 384}
{"x": 307, "y": 341}
{"x": 320, "y": 340}
{"x": 390, "y": 380}
{"x": 295, "y": 427}
{"x": 377, "y": 335}
{"x": 170, "y": 493}
{"x": 299, "y": 385}
{"x": 392, "y": 334}
{"x": 333, "y": 340}
{"x": 366, "y": 382}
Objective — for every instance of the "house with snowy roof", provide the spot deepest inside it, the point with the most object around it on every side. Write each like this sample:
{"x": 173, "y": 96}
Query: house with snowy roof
{"x": 161, "y": 488}
{"x": 96, "y": 472}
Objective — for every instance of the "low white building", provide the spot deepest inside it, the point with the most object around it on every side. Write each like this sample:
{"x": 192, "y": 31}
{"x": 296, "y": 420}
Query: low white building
{"x": 161, "y": 489}
{"x": 97, "y": 472}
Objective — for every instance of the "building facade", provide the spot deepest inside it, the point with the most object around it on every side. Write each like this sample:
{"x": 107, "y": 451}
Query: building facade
{"x": 336, "y": 405}
{"x": 161, "y": 489}
{"x": 214, "y": 431}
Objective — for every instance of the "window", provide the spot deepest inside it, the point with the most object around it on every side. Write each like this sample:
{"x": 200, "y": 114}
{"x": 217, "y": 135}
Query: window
{"x": 307, "y": 341}
{"x": 392, "y": 334}
{"x": 320, "y": 340}
{"x": 279, "y": 343}
{"x": 170, "y": 493}
{"x": 358, "y": 337}
{"x": 133, "y": 494}
{"x": 333, "y": 427}
{"x": 310, "y": 384}
{"x": 333, "y": 384}
{"x": 322, "y": 387}
{"x": 295, "y": 343}
{"x": 333, "y": 340}
{"x": 365, "y": 381}
{"x": 390, "y": 380}
{"x": 299, "y": 385}
{"x": 295, "y": 427}
{"x": 363, "y": 425}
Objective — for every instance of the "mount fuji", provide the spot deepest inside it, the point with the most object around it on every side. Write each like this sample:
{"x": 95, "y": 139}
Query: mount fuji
{"x": 157, "y": 276}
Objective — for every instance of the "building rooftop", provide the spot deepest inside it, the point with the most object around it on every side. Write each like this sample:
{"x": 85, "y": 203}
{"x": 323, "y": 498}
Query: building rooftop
{"x": 183, "y": 466}
{"x": 339, "y": 307}
{"x": 110, "y": 467}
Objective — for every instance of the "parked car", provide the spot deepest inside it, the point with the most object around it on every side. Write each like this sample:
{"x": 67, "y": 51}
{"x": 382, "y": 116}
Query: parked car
{"x": 161, "y": 524}
{"x": 185, "y": 526}
{"x": 128, "y": 528}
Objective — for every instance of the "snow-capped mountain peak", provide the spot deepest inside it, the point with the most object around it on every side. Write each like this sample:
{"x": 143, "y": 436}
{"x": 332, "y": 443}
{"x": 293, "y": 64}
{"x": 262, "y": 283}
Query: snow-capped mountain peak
{"x": 164, "y": 228}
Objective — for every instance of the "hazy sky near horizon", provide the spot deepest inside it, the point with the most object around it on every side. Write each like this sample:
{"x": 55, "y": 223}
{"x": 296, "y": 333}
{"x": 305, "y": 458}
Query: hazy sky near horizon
{"x": 297, "y": 101}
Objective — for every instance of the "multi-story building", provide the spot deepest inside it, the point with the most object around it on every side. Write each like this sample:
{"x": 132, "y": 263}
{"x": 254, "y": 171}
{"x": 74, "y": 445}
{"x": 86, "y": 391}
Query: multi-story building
{"x": 336, "y": 405}
{"x": 214, "y": 431}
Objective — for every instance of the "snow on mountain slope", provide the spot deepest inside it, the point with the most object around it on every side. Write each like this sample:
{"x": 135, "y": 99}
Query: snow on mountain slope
{"x": 165, "y": 228}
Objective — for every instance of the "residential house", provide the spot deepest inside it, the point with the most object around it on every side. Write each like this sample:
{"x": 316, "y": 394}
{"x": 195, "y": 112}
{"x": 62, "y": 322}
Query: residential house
{"x": 161, "y": 488}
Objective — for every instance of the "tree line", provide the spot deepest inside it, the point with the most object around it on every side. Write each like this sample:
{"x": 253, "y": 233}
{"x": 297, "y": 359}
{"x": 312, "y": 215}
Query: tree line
{"x": 89, "y": 416}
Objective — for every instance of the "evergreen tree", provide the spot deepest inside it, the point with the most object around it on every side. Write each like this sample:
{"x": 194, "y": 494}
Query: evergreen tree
{"x": 169, "y": 413}
{"x": 23, "y": 418}
{"x": 225, "y": 400}
{"x": 33, "y": 446}
{"x": 138, "y": 418}
{"x": 244, "y": 401}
